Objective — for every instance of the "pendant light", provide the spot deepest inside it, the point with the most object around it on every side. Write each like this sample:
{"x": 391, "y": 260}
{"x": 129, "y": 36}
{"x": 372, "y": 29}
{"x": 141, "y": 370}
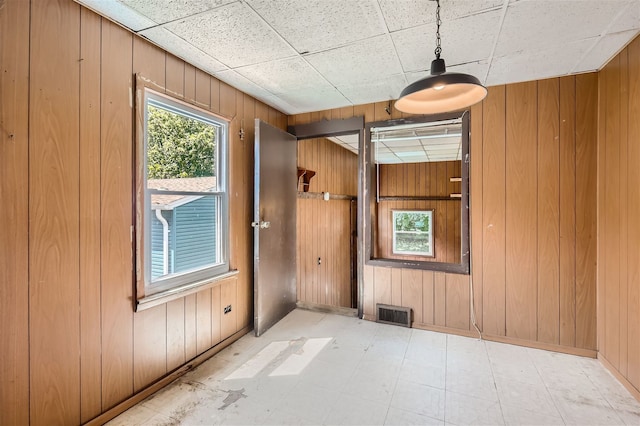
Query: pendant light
{"x": 441, "y": 91}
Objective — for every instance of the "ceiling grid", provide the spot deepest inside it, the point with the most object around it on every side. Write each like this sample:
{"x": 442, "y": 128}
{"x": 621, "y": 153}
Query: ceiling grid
{"x": 310, "y": 55}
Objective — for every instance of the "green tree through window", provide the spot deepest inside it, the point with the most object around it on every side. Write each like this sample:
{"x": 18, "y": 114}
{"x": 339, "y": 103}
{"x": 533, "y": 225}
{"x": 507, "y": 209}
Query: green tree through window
{"x": 179, "y": 146}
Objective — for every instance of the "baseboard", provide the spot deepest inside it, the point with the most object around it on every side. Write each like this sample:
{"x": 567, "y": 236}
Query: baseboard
{"x": 625, "y": 382}
{"x": 448, "y": 330}
{"x": 339, "y": 310}
{"x": 589, "y": 353}
{"x": 165, "y": 380}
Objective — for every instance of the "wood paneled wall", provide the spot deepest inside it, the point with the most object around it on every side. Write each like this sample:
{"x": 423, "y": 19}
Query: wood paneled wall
{"x": 619, "y": 215}
{"x": 71, "y": 346}
{"x": 533, "y": 221}
{"x": 420, "y": 179}
{"x": 326, "y": 229}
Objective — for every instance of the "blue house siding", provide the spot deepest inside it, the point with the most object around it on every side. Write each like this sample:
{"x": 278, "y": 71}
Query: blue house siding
{"x": 195, "y": 234}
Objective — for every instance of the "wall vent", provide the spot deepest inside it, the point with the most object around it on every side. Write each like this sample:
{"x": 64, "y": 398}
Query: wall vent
{"x": 396, "y": 315}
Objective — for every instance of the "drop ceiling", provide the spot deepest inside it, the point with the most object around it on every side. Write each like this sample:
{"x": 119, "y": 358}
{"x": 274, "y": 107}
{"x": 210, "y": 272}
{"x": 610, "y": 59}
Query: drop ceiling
{"x": 415, "y": 143}
{"x": 311, "y": 55}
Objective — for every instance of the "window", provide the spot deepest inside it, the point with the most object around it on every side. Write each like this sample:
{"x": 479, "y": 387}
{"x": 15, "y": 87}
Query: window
{"x": 185, "y": 202}
{"x": 412, "y": 232}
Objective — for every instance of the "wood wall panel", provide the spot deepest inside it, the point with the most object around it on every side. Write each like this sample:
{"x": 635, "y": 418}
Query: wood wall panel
{"x": 440, "y": 297}
{"x": 190, "y": 326}
{"x": 633, "y": 204}
{"x": 74, "y": 346}
{"x": 411, "y": 292}
{"x": 457, "y": 301}
{"x": 54, "y": 208}
{"x": 116, "y": 215}
{"x": 14, "y": 245}
{"x": 428, "y": 315}
{"x": 228, "y": 297}
{"x": 382, "y": 285}
{"x": 521, "y": 211}
{"x": 174, "y": 76}
{"x": 203, "y": 320}
{"x": 149, "y": 346}
{"x": 618, "y": 234}
{"x": 176, "y": 338}
{"x": 623, "y": 209}
{"x": 493, "y": 211}
{"x": 149, "y": 326}
{"x": 475, "y": 205}
{"x": 216, "y": 313}
{"x": 567, "y": 210}
{"x": 548, "y": 268}
{"x": 586, "y": 203}
{"x": 533, "y": 264}
{"x": 611, "y": 264}
{"x": 89, "y": 162}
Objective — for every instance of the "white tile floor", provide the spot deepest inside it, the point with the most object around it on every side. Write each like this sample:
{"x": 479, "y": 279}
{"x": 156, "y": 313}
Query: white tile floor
{"x": 374, "y": 374}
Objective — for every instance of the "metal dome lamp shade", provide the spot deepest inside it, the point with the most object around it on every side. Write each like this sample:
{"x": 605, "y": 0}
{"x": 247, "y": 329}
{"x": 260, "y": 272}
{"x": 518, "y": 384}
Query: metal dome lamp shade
{"x": 441, "y": 91}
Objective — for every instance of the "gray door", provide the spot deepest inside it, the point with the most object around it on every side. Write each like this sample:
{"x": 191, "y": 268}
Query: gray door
{"x": 274, "y": 253}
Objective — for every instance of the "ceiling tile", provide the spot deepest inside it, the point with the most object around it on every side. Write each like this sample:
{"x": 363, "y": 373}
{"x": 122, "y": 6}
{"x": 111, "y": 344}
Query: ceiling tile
{"x": 383, "y": 89}
{"x": 162, "y": 11}
{"x": 605, "y": 49}
{"x": 285, "y": 75}
{"x": 533, "y": 26}
{"x": 629, "y": 19}
{"x": 280, "y": 104}
{"x": 120, "y": 13}
{"x": 552, "y": 62}
{"x": 234, "y": 35}
{"x": 236, "y": 80}
{"x": 172, "y": 43}
{"x": 363, "y": 61}
{"x": 321, "y": 25}
{"x": 313, "y": 99}
{"x": 464, "y": 40}
{"x": 401, "y": 14}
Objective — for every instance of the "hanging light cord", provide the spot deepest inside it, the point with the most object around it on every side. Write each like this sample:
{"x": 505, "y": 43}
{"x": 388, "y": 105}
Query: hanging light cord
{"x": 438, "y": 50}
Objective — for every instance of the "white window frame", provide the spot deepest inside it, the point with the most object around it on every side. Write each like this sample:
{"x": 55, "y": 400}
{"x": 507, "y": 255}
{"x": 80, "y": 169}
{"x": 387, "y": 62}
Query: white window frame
{"x": 429, "y": 213}
{"x": 182, "y": 281}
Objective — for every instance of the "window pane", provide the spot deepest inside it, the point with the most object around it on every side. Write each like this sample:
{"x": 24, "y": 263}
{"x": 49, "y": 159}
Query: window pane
{"x": 184, "y": 238}
{"x": 181, "y": 151}
{"x": 412, "y": 232}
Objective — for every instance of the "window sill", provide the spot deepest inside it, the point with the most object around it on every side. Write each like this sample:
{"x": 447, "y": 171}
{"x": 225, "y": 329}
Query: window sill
{"x": 182, "y": 291}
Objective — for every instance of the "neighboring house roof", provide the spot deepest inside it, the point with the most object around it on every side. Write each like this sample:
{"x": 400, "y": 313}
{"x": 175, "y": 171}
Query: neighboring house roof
{"x": 171, "y": 201}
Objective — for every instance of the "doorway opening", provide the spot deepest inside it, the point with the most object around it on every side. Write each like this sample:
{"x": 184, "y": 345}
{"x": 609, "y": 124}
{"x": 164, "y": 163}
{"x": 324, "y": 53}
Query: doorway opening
{"x": 327, "y": 212}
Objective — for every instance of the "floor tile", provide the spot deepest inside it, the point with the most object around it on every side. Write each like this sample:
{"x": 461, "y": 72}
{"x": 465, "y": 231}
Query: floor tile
{"x": 515, "y": 393}
{"x": 419, "y": 399}
{"x": 415, "y": 372}
{"x": 466, "y": 410}
{"x": 352, "y": 410}
{"x": 369, "y": 373}
{"x": 398, "y": 417}
{"x": 578, "y": 410}
{"x": 377, "y": 387}
{"x": 521, "y": 416}
{"x": 478, "y": 384}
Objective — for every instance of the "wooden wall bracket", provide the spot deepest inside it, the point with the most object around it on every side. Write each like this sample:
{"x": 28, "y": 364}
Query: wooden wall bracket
{"x": 306, "y": 176}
